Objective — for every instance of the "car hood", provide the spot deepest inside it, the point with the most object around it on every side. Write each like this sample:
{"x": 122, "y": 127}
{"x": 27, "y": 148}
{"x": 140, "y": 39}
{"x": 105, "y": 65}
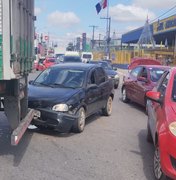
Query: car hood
{"x": 111, "y": 72}
{"x": 41, "y": 97}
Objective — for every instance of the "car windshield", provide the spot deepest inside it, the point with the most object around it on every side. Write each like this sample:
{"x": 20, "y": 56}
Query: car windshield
{"x": 155, "y": 74}
{"x": 72, "y": 59}
{"x": 61, "y": 77}
{"x": 106, "y": 65}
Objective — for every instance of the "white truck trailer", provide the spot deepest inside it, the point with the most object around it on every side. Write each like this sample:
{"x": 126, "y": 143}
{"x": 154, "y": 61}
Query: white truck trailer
{"x": 16, "y": 59}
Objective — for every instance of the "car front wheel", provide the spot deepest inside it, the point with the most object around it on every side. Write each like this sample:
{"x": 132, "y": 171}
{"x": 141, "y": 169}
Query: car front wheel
{"x": 159, "y": 175}
{"x": 108, "y": 108}
{"x": 79, "y": 125}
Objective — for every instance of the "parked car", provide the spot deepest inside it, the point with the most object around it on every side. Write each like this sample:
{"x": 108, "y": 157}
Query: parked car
{"x": 65, "y": 94}
{"x": 49, "y": 62}
{"x": 162, "y": 125}
{"x": 140, "y": 80}
{"x": 109, "y": 70}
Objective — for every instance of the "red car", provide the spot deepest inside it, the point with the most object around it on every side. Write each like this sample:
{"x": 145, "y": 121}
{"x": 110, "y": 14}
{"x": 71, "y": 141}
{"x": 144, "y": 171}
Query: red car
{"x": 140, "y": 80}
{"x": 49, "y": 62}
{"x": 162, "y": 124}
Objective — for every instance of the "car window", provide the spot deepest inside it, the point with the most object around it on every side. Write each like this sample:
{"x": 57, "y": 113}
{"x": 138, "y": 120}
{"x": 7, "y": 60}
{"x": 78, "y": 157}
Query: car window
{"x": 155, "y": 74}
{"x": 101, "y": 75}
{"x": 92, "y": 78}
{"x": 143, "y": 72}
{"x": 72, "y": 59}
{"x": 163, "y": 85}
{"x": 135, "y": 72}
{"x": 87, "y": 56}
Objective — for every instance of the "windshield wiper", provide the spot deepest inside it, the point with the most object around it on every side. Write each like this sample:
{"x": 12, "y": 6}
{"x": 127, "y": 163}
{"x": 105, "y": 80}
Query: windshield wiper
{"x": 62, "y": 85}
{"x": 43, "y": 84}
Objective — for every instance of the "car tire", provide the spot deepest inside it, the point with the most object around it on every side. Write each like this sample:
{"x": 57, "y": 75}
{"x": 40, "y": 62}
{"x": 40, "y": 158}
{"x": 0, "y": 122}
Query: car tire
{"x": 79, "y": 125}
{"x": 158, "y": 173}
{"x": 108, "y": 108}
{"x": 149, "y": 135}
{"x": 125, "y": 99}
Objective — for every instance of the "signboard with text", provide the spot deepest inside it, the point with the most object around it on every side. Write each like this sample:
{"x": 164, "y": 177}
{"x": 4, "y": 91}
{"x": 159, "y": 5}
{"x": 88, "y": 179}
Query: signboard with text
{"x": 164, "y": 25}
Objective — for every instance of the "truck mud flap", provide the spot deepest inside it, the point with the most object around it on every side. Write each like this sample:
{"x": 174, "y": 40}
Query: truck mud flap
{"x": 20, "y": 130}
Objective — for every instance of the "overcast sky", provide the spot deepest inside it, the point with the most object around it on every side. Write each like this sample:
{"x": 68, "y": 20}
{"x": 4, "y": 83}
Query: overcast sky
{"x": 65, "y": 20}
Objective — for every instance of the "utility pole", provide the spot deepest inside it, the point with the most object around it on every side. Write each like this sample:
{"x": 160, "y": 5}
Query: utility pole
{"x": 93, "y": 33}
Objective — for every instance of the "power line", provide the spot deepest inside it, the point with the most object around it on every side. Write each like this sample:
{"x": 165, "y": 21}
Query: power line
{"x": 164, "y": 13}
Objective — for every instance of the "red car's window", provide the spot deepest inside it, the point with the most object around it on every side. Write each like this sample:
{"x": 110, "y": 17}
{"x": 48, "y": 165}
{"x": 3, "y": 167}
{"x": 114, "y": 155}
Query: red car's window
{"x": 135, "y": 72}
{"x": 155, "y": 74}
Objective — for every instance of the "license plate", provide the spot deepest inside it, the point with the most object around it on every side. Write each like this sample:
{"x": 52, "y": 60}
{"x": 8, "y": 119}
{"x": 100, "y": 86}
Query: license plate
{"x": 37, "y": 114}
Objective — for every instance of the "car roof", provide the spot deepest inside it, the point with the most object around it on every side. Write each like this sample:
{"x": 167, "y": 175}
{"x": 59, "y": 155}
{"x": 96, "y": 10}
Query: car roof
{"x": 98, "y": 61}
{"x": 78, "y": 65}
{"x": 155, "y": 66}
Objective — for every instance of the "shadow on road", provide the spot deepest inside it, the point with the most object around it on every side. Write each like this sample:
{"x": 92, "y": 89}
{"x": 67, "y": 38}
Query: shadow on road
{"x": 135, "y": 106}
{"x": 5, "y": 143}
{"x": 146, "y": 153}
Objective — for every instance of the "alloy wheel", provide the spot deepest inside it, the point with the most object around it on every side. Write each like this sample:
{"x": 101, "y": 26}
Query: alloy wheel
{"x": 157, "y": 165}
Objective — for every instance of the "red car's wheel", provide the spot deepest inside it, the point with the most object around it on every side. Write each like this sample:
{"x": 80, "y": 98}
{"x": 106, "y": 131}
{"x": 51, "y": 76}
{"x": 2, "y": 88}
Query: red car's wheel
{"x": 159, "y": 175}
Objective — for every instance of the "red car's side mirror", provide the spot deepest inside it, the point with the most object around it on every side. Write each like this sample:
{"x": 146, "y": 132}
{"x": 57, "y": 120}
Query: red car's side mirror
{"x": 154, "y": 96}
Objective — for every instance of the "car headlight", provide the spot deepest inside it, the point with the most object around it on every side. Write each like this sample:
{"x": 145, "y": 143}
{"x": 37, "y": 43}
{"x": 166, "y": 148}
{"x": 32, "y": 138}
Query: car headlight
{"x": 60, "y": 107}
{"x": 116, "y": 76}
{"x": 172, "y": 128}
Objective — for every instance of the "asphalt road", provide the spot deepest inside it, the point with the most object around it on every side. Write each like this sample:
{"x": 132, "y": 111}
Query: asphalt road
{"x": 110, "y": 148}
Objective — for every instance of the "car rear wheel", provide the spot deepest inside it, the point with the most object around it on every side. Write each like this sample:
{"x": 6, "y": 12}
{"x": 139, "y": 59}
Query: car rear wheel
{"x": 79, "y": 125}
{"x": 108, "y": 108}
{"x": 159, "y": 175}
{"x": 124, "y": 95}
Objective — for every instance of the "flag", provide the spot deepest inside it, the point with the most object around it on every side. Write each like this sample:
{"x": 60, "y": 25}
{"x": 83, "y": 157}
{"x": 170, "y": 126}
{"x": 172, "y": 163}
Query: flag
{"x": 101, "y": 5}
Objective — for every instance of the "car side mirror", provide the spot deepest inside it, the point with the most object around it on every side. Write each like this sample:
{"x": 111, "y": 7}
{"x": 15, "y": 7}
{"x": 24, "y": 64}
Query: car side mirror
{"x": 143, "y": 79}
{"x": 154, "y": 96}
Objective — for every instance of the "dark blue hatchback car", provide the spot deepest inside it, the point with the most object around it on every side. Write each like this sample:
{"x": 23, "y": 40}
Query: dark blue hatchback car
{"x": 66, "y": 94}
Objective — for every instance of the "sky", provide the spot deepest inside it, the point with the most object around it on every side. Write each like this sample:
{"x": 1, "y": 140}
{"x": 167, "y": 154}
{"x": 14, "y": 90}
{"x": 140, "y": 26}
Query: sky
{"x": 65, "y": 20}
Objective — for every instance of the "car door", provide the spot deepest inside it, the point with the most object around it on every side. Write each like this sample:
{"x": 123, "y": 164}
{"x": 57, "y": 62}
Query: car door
{"x": 103, "y": 86}
{"x": 92, "y": 92}
{"x": 155, "y": 109}
{"x": 130, "y": 83}
{"x": 141, "y": 85}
